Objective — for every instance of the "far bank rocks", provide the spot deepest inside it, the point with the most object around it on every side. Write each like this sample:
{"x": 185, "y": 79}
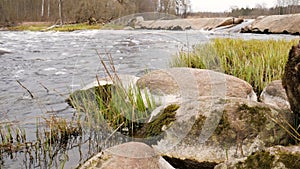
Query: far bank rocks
{"x": 273, "y": 24}
{"x": 286, "y": 24}
{"x": 184, "y": 24}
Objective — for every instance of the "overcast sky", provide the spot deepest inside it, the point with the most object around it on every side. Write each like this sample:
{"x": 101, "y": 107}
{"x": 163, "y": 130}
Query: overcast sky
{"x": 225, "y": 5}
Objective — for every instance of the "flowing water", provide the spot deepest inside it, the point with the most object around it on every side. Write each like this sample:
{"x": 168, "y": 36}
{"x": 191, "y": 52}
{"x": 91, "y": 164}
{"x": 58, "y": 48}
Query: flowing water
{"x": 53, "y": 64}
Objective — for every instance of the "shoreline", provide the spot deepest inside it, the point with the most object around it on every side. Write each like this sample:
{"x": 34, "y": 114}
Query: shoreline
{"x": 272, "y": 24}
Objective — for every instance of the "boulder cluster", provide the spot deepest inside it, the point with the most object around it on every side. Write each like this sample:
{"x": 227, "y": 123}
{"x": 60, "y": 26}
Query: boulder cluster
{"x": 219, "y": 123}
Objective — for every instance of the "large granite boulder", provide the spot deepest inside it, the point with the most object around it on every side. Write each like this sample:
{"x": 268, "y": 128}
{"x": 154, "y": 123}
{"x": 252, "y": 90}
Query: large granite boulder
{"x": 192, "y": 83}
{"x": 277, "y": 157}
{"x": 275, "y": 95}
{"x": 211, "y": 130}
{"x": 275, "y": 24}
{"x": 133, "y": 155}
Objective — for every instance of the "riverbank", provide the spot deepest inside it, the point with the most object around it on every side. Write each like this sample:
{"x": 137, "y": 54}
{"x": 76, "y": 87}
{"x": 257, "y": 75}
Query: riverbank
{"x": 48, "y": 26}
{"x": 273, "y": 24}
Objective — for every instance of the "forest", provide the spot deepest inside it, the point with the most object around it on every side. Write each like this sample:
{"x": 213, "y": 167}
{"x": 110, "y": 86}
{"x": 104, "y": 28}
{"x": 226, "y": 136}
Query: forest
{"x": 13, "y": 11}
{"x": 17, "y": 11}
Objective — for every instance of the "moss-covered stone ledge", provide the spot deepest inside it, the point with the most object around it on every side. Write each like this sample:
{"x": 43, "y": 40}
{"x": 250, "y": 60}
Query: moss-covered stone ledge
{"x": 222, "y": 129}
{"x": 277, "y": 157}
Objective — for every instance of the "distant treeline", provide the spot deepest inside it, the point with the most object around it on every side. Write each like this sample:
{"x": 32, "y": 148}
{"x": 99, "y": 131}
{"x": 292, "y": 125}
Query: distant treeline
{"x": 72, "y": 10}
{"x": 14, "y": 11}
{"x": 78, "y": 11}
{"x": 252, "y": 12}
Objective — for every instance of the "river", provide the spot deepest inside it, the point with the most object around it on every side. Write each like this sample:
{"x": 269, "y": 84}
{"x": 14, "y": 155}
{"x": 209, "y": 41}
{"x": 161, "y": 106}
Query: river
{"x": 53, "y": 64}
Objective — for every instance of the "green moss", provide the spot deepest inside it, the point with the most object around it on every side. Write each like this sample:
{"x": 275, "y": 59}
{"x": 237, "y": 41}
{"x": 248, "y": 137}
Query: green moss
{"x": 165, "y": 118}
{"x": 224, "y": 125}
{"x": 258, "y": 160}
{"x": 197, "y": 126}
{"x": 257, "y": 119}
{"x": 224, "y": 133}
{"x": 290, "y": 160}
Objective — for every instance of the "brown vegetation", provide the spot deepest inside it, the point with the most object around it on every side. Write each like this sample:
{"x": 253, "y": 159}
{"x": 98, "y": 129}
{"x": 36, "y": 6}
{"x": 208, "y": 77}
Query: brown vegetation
{"x": 16, "y": 11}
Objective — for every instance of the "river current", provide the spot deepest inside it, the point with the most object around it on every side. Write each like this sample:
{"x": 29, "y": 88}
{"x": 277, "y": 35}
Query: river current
{"x": 53, "y": 64}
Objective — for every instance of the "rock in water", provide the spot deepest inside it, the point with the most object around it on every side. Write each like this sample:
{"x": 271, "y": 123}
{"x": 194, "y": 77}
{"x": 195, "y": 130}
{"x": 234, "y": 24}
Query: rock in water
{"x": 291, "y": 81}
{"x": 2, "y": 52}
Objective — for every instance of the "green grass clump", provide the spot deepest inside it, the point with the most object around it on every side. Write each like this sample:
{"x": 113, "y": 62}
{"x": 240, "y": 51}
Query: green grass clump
{"x": 114, "y": 105}
{"x": 122, "y": 108}
{"x": 74, "y": 27}
{"x": 256, "y": 61}
{"x": 64, "y": 28}
{"x": 34, "y": 27}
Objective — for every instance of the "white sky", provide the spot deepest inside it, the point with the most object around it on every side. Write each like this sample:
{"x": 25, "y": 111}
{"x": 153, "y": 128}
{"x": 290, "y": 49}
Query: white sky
{"x": 225, "y": 5}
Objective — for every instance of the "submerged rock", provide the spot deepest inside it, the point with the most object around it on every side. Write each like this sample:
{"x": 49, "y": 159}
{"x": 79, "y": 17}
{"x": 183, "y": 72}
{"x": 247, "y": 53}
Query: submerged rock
{"x": 2, "y": 52}
{"x": 128, "y": 155}
{"x": 274, "y": 94}
{"x": 277, "y": 157}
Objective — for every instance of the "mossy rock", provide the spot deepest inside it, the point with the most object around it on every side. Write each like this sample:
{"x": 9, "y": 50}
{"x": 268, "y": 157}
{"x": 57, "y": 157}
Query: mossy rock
{"x": 259, "y": 160}
{"x": 277, "y": 157}
{"x": 161, "y": 121}
{"x": 224, "y": 129}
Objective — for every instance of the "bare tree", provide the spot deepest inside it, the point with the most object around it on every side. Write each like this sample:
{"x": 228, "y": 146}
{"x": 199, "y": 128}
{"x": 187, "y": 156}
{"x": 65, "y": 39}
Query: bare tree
{"x": 183, "y": 7}
{"x": 60, "y": 11}
{"x": 49, "y": 7}
{"x": 43, "y": 7}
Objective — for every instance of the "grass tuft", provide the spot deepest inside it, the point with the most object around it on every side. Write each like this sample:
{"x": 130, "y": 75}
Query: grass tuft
{"x": 64, "y": 28}
{"x": 125, "y": 109}
{"x": 256, "y": 61}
